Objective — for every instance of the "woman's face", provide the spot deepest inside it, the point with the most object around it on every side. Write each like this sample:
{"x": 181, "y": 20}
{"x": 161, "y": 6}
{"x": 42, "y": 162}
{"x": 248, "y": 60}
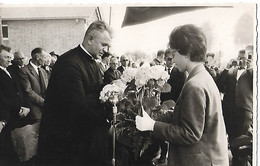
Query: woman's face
{"x": 180, "y": 61}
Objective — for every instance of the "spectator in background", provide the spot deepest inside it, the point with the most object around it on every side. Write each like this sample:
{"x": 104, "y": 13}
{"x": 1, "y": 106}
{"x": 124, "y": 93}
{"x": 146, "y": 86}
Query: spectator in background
{"x": 17, "y": 62}
{"x": 176, "y": 79}
{"x": 112, "y": 73}
{"x": 12, "y": 108}
{"x": 34, "y": 81}
{"x": 195, "y": 130}
{"x": 54, "y": 58}
{"x": 124, "y": 60}
{"x": 234, "y": 63}
{"x": 104, "y": 64}
{"x": 46, "y": 65}
{"x": 211, "y": 66}
{"x": 159, "y": 60}
{"x": 227, "y": 85}
{"x": 244, "y": 111}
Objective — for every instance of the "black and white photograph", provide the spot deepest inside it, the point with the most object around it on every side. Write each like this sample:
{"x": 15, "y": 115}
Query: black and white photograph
{"x": 128, "y": 84}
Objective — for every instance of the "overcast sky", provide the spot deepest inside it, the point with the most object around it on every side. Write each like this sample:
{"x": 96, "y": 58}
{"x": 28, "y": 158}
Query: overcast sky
{"x": 228, "y": 30}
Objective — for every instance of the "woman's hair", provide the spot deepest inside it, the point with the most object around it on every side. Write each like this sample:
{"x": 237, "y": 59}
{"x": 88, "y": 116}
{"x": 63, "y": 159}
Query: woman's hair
{"x": 189, "y": 39}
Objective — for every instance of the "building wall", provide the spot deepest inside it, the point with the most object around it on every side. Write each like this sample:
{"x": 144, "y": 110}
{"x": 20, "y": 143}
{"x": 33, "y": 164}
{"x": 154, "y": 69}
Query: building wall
{"x": 53, "y": 35}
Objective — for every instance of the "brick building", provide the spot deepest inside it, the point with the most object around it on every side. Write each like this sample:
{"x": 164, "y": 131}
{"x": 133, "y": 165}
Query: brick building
{"x": 53, "y": 28}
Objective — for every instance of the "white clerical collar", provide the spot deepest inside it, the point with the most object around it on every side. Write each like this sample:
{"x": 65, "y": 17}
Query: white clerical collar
{"x": 35, "y": 67}
{"x": 86, "y": 51}
{"x": 3, "y": 68}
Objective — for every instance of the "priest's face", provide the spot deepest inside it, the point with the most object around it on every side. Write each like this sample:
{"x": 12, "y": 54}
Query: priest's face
{"x": 99, "y": 43}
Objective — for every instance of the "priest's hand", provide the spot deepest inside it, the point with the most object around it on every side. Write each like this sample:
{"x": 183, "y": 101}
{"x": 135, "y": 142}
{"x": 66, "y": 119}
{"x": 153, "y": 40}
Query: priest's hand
{"x": 145, "y": 123}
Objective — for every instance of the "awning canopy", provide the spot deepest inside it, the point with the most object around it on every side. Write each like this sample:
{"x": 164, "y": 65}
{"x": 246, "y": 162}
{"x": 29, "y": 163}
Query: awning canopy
{"x": 139, "y": 15}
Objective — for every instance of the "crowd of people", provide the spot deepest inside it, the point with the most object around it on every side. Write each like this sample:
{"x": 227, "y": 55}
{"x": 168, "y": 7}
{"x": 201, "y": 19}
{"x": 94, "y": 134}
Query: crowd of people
{"x": 51, "y": 115}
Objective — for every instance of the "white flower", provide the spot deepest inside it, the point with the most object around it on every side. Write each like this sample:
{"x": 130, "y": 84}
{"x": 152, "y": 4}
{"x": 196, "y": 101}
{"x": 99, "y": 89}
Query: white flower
{"x": 129, "y": 74}
{"x": 142, "y": 76}
{"x": 117, "y": 88}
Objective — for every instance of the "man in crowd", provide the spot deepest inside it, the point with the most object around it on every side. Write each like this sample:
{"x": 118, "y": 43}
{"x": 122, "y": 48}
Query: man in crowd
{"x": 17, "y": 62}
{"x": 54, "y": 58}
{"x": 12, "y": 108}
{"x": 104, "y": 64}
{"x": 176, "y": 79}
{"x": 227, "y": 85}
{"x": 159, "y": 60}
{"x": 196, "y": 130}
{"x": 210, "y": 65}
{"x": 34, "y": 82}
{"x": 244, "y": 112}
{"x": 112, "y": 73}
{"x": 47, "y": 64}
{"x": 74, "y": 124}
{"x": 124, "y": 60}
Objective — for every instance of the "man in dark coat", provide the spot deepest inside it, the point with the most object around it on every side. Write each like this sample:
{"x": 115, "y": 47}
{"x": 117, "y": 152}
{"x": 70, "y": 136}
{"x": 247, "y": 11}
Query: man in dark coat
{"x": 34, "y": 81}
{"x": 112, "y": 73}
{"x": 74, "y": 127}
{"x": 124, "y": 60}
{"x": 226, "y": 83}
{"x": 11, "y": 110}
{"x": 17, "y": 62}
{"x": 104, "y": 63}
{"x": 176, "y": 79}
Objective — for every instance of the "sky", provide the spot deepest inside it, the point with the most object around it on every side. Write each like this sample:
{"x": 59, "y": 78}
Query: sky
{"x": 228, "y": 30}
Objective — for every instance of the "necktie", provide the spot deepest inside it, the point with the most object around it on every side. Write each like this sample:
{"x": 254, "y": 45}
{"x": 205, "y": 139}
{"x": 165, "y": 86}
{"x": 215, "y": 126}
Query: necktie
{"x": 42, "y": 83}
{"x": 169, "y": 71}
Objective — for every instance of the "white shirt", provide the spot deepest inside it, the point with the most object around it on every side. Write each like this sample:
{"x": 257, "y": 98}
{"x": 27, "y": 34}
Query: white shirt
{"x": 167, "y": 68}
{"x": 35, "y": 67}
{"x": 1, "y": 67}
{"x": 86, "y": 51}
{"x": 239, "y": 72}
{"x": 104, "y": 65}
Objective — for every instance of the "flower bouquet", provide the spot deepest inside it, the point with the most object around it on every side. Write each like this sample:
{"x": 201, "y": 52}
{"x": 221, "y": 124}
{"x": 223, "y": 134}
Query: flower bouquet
{"x": 138, "y": 89}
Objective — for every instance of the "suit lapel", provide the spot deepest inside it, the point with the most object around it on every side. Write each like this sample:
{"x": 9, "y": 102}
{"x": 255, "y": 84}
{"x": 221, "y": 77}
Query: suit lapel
{"x": 5, "y": 75}
{"x": 194, "y": 72}
{"x": 33, "y": 72}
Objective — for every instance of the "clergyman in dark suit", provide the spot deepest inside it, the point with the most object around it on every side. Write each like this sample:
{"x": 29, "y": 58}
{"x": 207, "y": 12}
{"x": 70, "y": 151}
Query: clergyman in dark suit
{"x": 12, "y": 108}
{"x": 74, "y": 126}
{"x": 196, "y": 130}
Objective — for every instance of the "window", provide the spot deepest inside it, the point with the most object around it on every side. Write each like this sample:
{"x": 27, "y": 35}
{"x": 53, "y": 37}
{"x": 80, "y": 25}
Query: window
{"x": 5, "y": 30}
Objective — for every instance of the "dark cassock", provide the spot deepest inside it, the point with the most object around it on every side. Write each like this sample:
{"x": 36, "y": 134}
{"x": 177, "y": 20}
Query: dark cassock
{"x": 74, "y": 127}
